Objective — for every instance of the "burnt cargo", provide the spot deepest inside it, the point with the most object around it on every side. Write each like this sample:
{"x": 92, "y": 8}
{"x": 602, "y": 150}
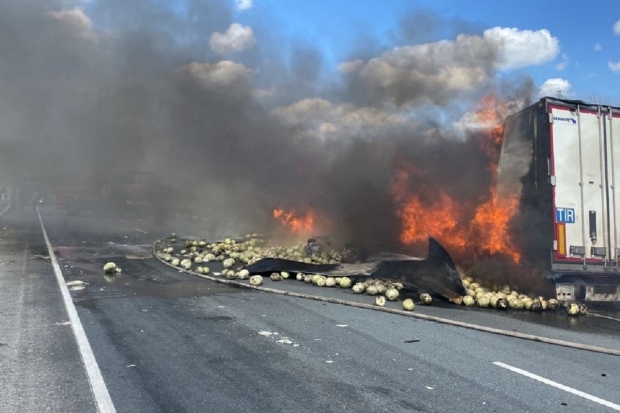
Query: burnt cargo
{"x": 560, "y": 159}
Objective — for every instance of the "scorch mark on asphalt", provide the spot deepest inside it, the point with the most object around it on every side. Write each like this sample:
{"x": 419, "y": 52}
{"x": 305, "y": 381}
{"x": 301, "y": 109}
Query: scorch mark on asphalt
{"x": 559, "y": 386}
{"x": 97, "y": 384}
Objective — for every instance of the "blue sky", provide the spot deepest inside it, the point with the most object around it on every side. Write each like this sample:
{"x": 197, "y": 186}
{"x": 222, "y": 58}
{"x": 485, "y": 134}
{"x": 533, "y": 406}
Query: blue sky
{"x": 333, "y": 26}
{"x": 355, "y": 67}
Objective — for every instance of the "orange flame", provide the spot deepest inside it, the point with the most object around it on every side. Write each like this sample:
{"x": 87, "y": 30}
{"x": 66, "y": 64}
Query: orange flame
{"x": 431, "y": 212}
{"x": 451, "y": 221}
{"x": 296, "y": 222}
{"x": 490, "y": 226}
{"x": 440, "y": 221}
{"x": 490, "y": 117}
{"x": 436, "y": 215}
{"x": 492, "y": 218}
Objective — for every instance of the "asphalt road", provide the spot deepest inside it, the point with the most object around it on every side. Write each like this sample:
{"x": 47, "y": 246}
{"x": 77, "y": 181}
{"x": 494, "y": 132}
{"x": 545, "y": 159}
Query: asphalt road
{"x": 168, "y": 342}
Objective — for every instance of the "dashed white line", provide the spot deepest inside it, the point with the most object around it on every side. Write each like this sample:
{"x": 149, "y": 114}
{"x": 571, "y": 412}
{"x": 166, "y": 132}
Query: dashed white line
{"x": 559, "y": 386}
{"x": 97, "y": 384}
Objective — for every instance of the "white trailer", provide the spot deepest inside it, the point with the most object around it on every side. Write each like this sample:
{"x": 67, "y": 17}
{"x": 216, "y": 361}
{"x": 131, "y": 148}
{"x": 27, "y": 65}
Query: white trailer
{"x": 561, "y": 158}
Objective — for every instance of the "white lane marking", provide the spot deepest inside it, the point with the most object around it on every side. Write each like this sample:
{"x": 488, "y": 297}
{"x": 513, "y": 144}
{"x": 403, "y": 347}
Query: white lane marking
{"x": 559, "y": 386}
{"x": 4, "y": 208}
{"x": 604, "y": 316}
{"x": 97, "y": 385}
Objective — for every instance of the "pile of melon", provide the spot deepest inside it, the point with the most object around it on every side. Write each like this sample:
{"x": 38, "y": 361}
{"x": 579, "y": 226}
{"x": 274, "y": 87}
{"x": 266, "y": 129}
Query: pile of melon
{"x": 232, "y": 255}
{"x": 504, "y": 297}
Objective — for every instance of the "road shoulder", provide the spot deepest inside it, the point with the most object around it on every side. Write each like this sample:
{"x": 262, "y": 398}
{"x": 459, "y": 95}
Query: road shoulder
{"x": 42, "y": 369}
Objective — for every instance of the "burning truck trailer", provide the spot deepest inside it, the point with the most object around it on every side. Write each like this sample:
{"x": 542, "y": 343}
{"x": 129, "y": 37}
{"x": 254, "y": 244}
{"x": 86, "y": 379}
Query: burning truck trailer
{"x": 478, "y": 232}
{"x": 560, "y": 160}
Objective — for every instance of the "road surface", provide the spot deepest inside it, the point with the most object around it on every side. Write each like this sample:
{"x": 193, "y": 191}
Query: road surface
{"x": 168, "y": 342}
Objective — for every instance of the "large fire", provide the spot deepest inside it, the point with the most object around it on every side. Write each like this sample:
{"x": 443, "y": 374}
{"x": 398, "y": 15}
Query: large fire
{"x": 297, "y": 222}
{"x": 466, "y": 229}
{"x": 433, "y": 212}
{"x": 490, "y": 227}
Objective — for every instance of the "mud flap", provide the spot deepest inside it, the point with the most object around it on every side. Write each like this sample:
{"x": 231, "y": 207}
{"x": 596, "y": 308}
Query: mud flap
{"x": 436, "y": 274}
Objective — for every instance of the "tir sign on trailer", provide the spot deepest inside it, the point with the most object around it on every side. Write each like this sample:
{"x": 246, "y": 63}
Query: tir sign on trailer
{"x": 565, "y": 215}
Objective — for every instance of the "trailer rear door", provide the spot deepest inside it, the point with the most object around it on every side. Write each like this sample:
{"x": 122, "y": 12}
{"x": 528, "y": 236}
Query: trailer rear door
{"x": 585, "y": 155}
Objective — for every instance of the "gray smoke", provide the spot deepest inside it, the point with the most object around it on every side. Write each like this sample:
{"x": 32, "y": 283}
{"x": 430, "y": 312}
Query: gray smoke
{"x": 139, "y": 88}
{"x": 145, "y": 93}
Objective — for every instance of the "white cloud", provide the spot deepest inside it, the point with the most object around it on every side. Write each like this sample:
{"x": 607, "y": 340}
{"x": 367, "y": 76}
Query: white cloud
{"x": 222, "y": 73}
{"x": 323, "y": 119}
{"x": 616, "y": 27}
{"x": 598, "y": 47}
{"x": 615, "y": 67}
{"x": 263, "y": 93}
{"x": 520, "y": 48}
{"x": 556, "y": 87}
{"x": 236, "y": 39}
{"x": 428, "y": 73}
{"x": 305, "y": 110}
{"x": 76, "y": 20}
{"x": 243, "y": 4}
{"x": 351, "y": 66}
{"x": 69, "y": 3}
{"x": 438, "y": 72}
{"x": 564, "y": 63}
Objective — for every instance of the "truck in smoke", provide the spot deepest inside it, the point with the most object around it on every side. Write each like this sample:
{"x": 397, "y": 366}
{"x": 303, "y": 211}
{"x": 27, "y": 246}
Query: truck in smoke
{"x": 561, "y": 160}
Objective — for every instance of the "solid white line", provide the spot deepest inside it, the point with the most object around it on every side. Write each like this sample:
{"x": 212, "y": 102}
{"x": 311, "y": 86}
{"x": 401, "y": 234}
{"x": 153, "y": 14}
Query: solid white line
{"x": 97, "y": 385}
{"x": 559, "y": 386}
{"x": 4, "y": 208}
{"x": 603, "y": 316}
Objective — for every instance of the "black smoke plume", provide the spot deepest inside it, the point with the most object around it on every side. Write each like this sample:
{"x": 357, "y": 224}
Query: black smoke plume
{"x": 135, "y": 86}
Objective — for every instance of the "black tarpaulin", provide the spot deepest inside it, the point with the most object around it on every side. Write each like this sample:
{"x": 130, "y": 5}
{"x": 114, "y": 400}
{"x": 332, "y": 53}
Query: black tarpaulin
{"x": 435, "y": 274}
